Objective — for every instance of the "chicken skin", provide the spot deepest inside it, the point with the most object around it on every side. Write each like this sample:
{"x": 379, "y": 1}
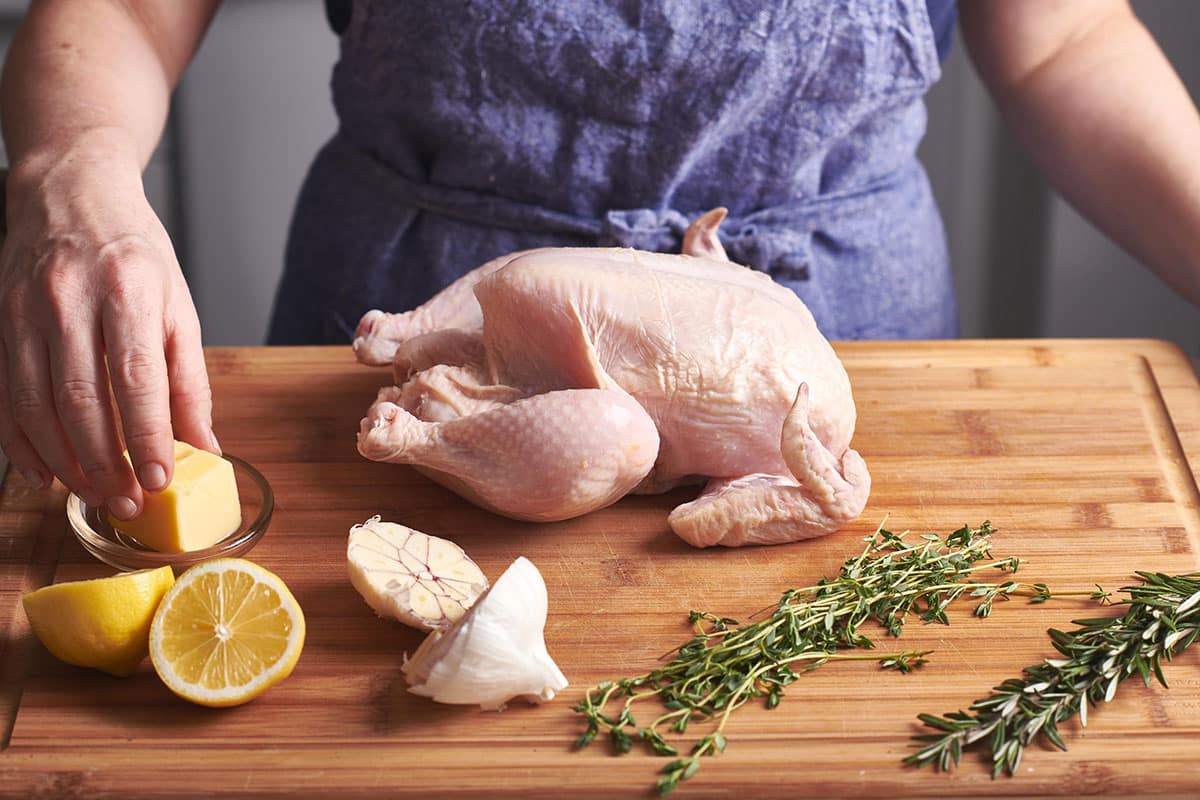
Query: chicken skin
{"x": 550, "y": 383}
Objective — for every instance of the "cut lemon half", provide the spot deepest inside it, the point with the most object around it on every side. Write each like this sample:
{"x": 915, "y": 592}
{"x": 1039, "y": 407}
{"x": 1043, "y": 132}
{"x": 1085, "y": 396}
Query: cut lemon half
{"x": 226, "y": 632}
{"x": 102, "y": 623}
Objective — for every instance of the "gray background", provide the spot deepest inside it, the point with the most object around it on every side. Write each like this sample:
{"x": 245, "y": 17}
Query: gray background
{"x": 254, "y": 107}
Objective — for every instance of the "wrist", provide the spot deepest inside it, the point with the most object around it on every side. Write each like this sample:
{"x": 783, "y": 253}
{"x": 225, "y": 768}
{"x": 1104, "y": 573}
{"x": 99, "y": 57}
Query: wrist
{"x": 62, "y": 164}
{"x": 69, "y": 149}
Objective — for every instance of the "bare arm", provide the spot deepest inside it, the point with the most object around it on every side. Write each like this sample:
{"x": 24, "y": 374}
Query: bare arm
{"x": 97, "y": 65}
{"x": 91, "y": 294}
{"x": 1089, "y": 93}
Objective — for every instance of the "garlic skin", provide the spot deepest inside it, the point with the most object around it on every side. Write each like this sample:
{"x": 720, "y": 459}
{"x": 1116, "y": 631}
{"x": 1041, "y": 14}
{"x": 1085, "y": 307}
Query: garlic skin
{"x": 495, "y": 652}
{"x": 421, "y": 580}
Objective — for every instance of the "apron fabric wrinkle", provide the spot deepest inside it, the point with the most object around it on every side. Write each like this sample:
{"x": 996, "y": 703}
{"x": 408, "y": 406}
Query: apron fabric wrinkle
{"x": 659, "y": 230}
{"x": 472, "y": 129}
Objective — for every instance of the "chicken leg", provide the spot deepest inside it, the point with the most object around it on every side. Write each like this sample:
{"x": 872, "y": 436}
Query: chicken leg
{"x": 547, "y": 457}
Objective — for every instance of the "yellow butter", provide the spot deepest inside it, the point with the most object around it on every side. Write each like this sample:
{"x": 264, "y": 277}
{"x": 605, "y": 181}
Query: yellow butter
{"x": 198, "y": 509}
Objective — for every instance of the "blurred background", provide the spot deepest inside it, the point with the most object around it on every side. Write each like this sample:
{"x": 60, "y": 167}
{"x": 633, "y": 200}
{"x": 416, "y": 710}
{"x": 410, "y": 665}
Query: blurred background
{"x": 254, "y": 108}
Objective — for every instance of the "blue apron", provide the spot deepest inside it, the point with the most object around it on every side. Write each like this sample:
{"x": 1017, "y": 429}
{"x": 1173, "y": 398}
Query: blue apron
{"x": 472, "y": 129}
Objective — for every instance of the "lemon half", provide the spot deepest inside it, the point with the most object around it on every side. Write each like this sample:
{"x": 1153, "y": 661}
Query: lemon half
{"x": 226, "y": 632}
{"x": 102, "y": 623}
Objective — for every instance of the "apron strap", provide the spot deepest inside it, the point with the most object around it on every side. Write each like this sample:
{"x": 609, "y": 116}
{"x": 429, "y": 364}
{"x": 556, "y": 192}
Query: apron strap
{"x": 776, "y": 239}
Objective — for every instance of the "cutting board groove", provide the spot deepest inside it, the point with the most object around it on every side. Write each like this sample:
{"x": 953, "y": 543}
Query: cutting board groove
{"x": 1175, "y": 466}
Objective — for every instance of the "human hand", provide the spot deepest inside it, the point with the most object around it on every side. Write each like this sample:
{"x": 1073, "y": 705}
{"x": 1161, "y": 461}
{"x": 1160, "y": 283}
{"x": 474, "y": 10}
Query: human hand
{"x": 94, "y": 308}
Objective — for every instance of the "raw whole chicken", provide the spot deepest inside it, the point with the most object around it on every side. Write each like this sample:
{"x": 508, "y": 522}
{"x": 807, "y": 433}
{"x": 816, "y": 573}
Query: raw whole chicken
{"x": 549, "y": 383}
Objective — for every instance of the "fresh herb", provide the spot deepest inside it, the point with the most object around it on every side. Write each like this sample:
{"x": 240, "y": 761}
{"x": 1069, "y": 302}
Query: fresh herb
{"x": 727, "y": 664}
{"x": 1161, "y": 621}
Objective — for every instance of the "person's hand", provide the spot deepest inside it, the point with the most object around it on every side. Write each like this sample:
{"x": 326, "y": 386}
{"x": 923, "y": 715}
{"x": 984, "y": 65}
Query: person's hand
{"x": 92, "y": 297}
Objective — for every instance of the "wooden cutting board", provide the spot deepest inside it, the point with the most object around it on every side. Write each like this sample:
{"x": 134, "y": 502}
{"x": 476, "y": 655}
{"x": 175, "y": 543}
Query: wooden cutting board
{"x": 1082, "y": 453}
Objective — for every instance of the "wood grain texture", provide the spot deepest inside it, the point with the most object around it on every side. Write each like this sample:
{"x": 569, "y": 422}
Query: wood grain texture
{"x": 1081, "y": 453}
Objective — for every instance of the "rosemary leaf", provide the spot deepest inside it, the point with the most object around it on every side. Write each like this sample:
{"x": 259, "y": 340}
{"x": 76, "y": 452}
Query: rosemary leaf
{"x": 1161, "y": 620}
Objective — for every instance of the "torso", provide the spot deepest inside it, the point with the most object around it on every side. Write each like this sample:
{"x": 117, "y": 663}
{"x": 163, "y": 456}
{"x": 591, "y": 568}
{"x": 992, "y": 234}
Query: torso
{"x": 473, "y": 129}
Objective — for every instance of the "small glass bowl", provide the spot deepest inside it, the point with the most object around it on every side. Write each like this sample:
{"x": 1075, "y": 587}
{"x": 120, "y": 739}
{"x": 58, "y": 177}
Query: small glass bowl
{"x": 119, "y": 550}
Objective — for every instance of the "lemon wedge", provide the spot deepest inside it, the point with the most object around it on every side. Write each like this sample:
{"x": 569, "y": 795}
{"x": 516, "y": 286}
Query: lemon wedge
{"x": 102, "y": 623}
{"x": 226, "y": 632}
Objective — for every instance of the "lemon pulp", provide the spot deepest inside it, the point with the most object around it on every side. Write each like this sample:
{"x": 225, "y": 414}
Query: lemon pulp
{"x": 226, "y": 632}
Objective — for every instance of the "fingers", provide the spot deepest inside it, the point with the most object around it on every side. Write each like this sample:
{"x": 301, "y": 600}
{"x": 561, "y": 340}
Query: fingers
{"x": 13, "y": 441}
{"x": 85, "y": 410}
{"x": 57, "y": 415}
{"x": 131, "y": 321}
{"x": 31, "y": 404}
{"x": 191, "y": 396}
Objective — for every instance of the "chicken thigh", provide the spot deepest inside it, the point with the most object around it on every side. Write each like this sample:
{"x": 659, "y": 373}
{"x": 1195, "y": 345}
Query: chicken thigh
{"x": 549, "y": 383}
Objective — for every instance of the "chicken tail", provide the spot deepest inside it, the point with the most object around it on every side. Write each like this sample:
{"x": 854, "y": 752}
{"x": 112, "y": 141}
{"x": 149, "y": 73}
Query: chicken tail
{"x": 701, "y": 238}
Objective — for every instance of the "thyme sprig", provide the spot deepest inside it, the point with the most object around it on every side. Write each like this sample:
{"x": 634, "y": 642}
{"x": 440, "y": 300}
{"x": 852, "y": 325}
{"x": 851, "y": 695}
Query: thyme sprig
{"x": 727, "y": 664}
{"x": 1162, "y": 619}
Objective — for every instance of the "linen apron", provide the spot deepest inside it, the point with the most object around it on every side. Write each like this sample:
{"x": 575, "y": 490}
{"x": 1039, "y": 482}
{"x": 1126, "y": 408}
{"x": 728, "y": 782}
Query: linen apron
{"x": 472, "y": 129}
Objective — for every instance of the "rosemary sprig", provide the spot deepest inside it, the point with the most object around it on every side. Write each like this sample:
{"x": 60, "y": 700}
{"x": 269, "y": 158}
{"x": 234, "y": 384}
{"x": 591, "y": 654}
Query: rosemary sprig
{"x": 1162, "y": 619}
{"x": 727, "y": 664}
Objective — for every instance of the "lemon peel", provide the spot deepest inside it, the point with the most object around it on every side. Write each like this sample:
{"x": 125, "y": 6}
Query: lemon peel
{"x": 103, "y": 623}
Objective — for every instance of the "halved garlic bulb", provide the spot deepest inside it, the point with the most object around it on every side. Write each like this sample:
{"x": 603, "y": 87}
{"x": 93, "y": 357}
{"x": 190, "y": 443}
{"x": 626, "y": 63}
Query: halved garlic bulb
{"x": 495, "y": 652}
{"x": 421, "y": 580}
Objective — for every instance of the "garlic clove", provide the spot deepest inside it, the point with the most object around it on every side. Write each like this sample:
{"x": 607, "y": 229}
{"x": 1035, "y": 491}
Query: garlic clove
{"x": 496, "y": 652}
{"x": 421, "y": 580}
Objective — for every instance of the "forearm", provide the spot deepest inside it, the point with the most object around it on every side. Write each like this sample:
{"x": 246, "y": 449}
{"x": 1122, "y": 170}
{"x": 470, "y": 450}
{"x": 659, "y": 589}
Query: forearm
{"x": 1105, "y": 116}
{"x": 95, "y": 70}
{"x": 97, "y": 327}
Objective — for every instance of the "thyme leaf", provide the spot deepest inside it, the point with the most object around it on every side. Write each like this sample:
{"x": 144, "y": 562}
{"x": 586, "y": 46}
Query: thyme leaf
{"x": 728, "y": 664}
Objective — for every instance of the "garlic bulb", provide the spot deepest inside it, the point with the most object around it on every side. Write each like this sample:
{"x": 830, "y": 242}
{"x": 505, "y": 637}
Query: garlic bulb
{"x": 495, "y": 652}
{"x": 421, "y": 580}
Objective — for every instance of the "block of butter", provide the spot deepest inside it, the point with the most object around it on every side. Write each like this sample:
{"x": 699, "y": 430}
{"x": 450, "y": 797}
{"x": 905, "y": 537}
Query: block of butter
{"x": 198, "y": 509}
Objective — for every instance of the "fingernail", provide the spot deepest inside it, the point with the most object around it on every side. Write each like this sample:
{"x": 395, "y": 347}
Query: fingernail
{"x": 122, "y": 507}
{"x": 212, "y": 440}
{"x": 152, "y": 476}
{"x": 34, "y": 478}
